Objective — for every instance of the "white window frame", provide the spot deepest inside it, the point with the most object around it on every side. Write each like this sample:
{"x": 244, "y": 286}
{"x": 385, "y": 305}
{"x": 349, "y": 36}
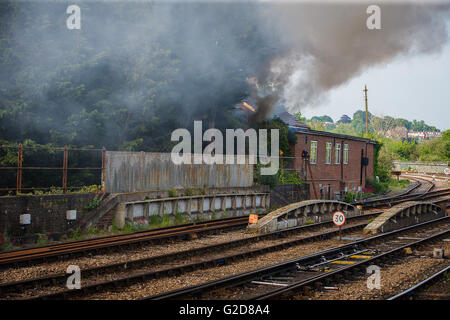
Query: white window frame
{"x": 328, "y": 152}
{"x": 345, "y": 153}
{"x": 337, "y": 154}
{"x": 313, "y": 152}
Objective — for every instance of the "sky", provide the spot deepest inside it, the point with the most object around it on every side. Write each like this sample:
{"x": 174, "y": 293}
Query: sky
{"x": 410, "y": 87}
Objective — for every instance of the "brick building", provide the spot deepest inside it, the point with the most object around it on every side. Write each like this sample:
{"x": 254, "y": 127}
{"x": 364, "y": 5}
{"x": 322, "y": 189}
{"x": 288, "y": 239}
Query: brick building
{"x": 338, "y": 163}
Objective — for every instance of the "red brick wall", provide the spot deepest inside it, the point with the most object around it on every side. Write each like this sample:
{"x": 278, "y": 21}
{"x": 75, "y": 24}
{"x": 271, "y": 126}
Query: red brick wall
{"x": 340, "y": 175}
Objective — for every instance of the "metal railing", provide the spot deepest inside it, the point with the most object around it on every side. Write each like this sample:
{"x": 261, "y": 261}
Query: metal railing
{"x": 19, "y": 168}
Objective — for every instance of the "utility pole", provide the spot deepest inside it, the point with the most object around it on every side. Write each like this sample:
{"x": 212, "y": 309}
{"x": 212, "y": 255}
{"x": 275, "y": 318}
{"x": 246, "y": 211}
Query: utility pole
{"x": 367, "y": 113}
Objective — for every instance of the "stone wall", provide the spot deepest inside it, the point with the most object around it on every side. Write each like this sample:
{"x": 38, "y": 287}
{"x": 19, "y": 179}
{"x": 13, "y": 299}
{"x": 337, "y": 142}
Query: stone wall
{"x": 427, "y": 167}
{"x": 284, "y": 194}
{"x": 48, "y": 212}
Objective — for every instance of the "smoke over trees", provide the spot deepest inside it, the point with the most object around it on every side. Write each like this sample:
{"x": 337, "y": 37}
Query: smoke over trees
{"x": 138, "y": 70}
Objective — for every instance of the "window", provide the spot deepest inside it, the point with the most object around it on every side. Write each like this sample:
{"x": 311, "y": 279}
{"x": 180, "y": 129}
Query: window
{"x": 337, "y": 154}
{"x": 345, "y": 153}
{"x": 313, "y": 152}
{"x": 328, "y": 154}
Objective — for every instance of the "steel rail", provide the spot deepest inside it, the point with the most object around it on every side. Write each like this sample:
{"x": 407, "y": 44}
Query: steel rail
{"x": 428, "y": 281}
{"x": 427, "y": 195}
{"x": 217, "y": 261}
{"x": 106, "y": 242}
{"x": 298, "y": 285}
{"x": 405, "y": 194}
{"x": 285, "y": 266}
{"x": 66, "y": 249}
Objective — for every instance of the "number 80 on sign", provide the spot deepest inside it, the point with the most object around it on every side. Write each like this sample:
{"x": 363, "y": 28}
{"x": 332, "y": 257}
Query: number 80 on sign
{"x": 338, "y": 218}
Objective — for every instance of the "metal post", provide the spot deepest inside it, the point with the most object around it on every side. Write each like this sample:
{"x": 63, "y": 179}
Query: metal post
{"x": 367, "y": 116}
{"x": 65, "y": 164}
{"x": 19, "y": 169}
{"x": 103, "y": 168}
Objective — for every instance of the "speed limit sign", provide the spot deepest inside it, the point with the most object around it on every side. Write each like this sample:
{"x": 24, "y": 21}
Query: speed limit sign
{"x": 338, "y": 218}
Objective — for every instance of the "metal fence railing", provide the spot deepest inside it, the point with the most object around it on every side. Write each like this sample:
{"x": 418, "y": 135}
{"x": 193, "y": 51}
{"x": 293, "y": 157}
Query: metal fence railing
{"x": 21, "y": 168}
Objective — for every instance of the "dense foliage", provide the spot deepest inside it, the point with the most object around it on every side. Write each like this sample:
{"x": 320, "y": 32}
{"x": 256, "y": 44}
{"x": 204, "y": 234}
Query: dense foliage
{"x": 129, "y": 77}
{"x": 133, "y": 73}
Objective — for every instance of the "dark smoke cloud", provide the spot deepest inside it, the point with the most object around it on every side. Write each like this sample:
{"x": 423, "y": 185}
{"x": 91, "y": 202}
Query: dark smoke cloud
{"x": 193, "y": 57}
{"x": 326, "y": 45}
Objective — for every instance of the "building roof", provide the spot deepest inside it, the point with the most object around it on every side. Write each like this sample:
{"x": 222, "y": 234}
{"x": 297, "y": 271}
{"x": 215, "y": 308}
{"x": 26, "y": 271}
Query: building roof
{"x": 339, "y": 136}
{"x": 293, "y": 123}
{"x": 303, "y": 128}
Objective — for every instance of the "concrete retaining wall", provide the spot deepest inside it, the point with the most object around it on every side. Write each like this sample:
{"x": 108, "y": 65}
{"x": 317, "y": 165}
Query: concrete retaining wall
{"x": 47, "y": 212}
{"x": 428, "y": 167}
{"x": 140, "y": 171}
{"x": 202, "y": 207}
{"x": 284, "y": 194}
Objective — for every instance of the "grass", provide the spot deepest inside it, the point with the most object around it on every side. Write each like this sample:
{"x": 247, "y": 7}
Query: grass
{"x": 57, "y": 190}
{"x": 179, "y": 218}
{"x": 188, "y": 192}
{"x": 308, "y": 222}
{"x": 42, "y": 240}
{"x": 76, "y": 234}
{"x": 395, "y": 185}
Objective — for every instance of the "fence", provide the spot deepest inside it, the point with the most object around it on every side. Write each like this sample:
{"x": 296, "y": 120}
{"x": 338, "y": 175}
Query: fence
{"x": 140, "y": 171}
{"x": 64, "y": 168}
{"x": 119, "y": 171}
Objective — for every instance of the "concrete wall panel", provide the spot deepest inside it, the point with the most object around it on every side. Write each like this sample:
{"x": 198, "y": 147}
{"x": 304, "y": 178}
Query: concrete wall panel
{"x": 139, "y": 171}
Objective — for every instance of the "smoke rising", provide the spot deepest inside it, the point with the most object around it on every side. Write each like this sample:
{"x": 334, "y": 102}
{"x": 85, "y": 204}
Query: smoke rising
{"x": 138, "y": 70}
{"x": 327, "y": 45}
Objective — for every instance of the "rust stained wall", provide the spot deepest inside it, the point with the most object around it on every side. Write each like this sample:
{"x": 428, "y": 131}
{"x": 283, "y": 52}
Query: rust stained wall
{"x": 140, "y": 171}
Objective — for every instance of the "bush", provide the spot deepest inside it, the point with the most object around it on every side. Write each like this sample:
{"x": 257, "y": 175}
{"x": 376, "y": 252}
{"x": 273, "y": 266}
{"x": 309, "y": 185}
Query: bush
{"x": 286, "y": 177}
{"x": 270, "y": 181}
{"x": 379, "y": 187}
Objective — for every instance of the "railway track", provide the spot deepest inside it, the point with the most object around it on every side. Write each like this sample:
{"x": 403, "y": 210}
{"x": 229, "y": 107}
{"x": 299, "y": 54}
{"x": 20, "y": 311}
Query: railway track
{"x": 419, "y": 291}
{"x": 422, "y": 191}
{"x": 98, "y": 245}
{"x": 156, "y": 266}
{"x": 29, "y": 256}
{"x": 314, "y": 270}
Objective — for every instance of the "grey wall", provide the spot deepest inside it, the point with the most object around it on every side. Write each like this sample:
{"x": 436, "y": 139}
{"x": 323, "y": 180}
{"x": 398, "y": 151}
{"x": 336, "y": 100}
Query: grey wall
{"x": 140, "y": 171}
{"x": 48, "y": 212}
{"x": 429, "y": 167}
{"x": 284, "y": 194}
